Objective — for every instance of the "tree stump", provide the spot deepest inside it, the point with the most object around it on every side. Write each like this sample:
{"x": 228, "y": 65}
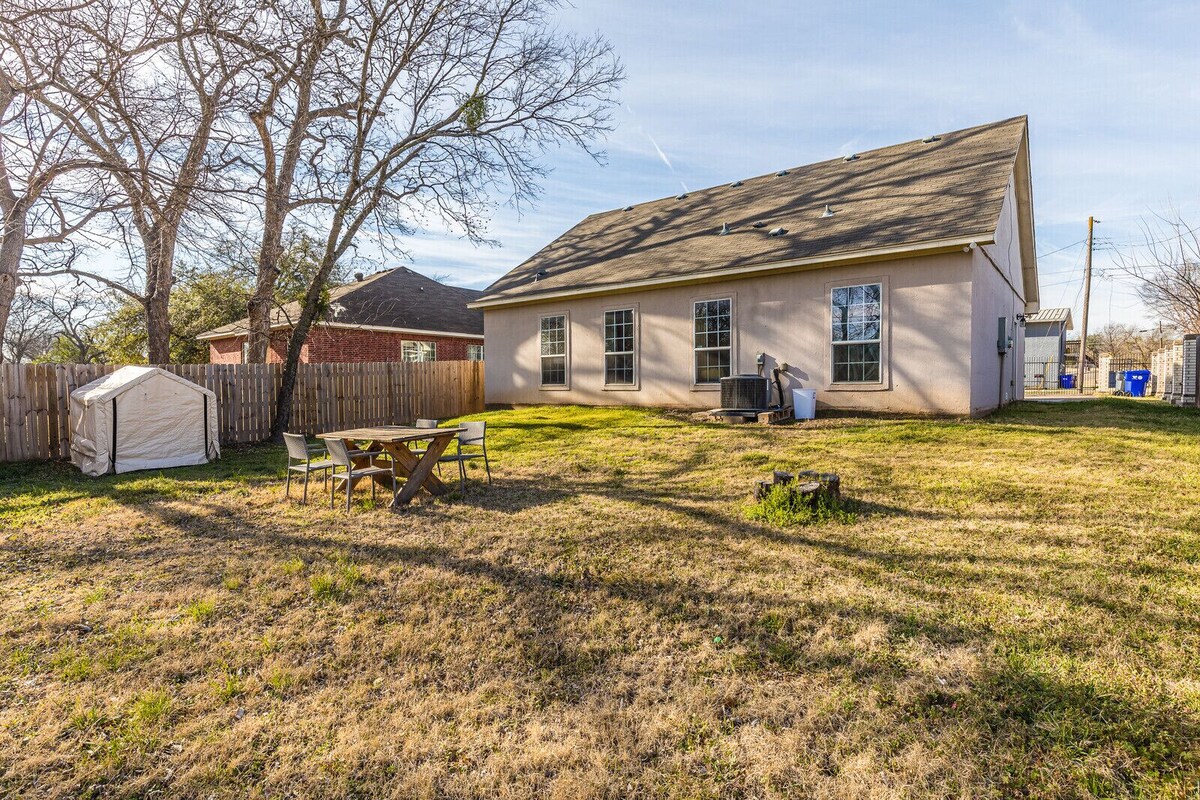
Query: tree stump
{"x": 813, "y": 487}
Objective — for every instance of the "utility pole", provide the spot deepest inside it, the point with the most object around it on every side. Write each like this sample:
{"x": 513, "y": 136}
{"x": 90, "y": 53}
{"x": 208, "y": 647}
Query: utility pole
{"x": 1087, "y": 296}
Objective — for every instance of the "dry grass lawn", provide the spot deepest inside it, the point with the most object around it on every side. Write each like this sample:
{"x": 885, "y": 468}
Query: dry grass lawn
{"x": 1014, "y": 611}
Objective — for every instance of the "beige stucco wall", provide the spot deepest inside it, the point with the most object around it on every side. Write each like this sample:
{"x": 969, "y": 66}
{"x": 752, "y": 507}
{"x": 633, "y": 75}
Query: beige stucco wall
{"x": 927, "y": 339}
{"x": 996, "y": 381}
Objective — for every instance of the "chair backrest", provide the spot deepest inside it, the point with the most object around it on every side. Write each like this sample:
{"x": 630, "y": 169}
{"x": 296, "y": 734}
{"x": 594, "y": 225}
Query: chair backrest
{"x": 297, "y": 446}
{"x": 339, "y": 453}
{"x": 473, "y": 434}
{"x": 426, "y": 423}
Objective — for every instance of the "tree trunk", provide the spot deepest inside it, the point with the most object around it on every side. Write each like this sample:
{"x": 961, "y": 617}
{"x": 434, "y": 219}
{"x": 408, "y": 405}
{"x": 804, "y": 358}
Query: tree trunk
{"x": 12, "y": 245}
{"x": 262, "y": 301}
{"x": 308, "y": 313}
{"x": 160, "y": 268}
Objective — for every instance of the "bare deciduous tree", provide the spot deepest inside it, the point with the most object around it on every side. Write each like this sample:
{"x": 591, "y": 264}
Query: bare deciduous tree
{"x": 38, "y": 154}
{"x": 450, "y": 104}
{"x": 1167, "y": 270}
{"x": 145, "y": 87}
{"x": 29, "y": 329}
{"x": 296, "y": 93}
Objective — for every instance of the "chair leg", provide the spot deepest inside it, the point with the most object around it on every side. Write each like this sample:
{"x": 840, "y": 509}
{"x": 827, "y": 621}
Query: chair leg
{"x": 349, "y": 488}
{"x": 287, "y": 486}
{"x": 462, "y": 475}
{"x": 486, "y": 465}
{"x": 332, "y": 487}
{"x": 306, "y": 486}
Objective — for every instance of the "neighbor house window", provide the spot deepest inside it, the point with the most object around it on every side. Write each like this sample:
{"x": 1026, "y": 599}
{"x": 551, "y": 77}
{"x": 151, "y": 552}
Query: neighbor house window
{"x": 857, "y": 321}
{"x": 246, "y": 352}
{"x": 618, "y": 347}
{"x": 554, "y": 350}
{"x": 418, "y": 351}
{"x": 713, "y": 340}
{"x": 474, "y": 352}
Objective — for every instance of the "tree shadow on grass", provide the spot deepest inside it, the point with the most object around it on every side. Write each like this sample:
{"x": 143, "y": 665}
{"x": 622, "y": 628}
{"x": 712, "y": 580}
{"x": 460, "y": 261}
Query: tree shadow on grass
{"x": 1038, "y": 732}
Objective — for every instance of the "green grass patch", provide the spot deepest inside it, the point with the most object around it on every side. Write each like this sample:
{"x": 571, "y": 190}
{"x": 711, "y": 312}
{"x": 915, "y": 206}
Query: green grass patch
{"x": 784, "y": 506}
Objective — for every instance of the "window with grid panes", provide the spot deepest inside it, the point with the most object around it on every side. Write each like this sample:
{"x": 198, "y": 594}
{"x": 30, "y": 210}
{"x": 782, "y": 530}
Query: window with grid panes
{"x": 857, "y": 317}
{"x": 713, "y": 342}
{"x": 554, "y": 350}
{"x": 418, "y": 351}
{"x": 618, "y": 348}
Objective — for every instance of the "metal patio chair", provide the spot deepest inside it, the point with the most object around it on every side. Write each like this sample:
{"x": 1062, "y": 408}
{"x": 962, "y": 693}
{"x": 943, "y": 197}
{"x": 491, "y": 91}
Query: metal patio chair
{"x": 419, "y": 448}
{"x": 474, "y": 436}
{"x": 300, "y": 459}
{"x": 342, "y": 457}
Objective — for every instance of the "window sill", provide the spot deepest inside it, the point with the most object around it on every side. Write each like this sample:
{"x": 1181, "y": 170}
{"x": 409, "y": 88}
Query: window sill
{"x": 623, "y": 387}
{"x": 706, "y": 387}
{"x": 865, "y": 386}
{"x": 554, "y": 388}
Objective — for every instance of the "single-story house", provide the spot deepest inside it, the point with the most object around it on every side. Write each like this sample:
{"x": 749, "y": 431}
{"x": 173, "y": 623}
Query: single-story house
{"x": 1046, "y": 347}
{"x": 887, "y": 280}
{"x": 393, "y": 315}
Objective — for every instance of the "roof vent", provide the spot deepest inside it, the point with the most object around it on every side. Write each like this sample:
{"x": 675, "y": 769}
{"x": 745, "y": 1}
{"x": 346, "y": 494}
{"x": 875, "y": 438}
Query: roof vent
{"x": 851, "y": 157}
{"x": 627, "y": 208}
{"x": 541, "y": 273}
{"x": 724, "y": 229}
{"x": 781, "y": 173}
{"x": 776, "y": 232}
{"x": 759, "y": 224}
{"x": 828, "y": 211}
{"x": 930, "y": 138}
{"x": 735, "y": 184}
{"x": 681, "y": 196}
{"x": 358, "y": 276}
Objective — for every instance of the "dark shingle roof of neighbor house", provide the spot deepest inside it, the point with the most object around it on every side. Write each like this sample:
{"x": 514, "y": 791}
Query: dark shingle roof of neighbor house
{"x": 1050, "y": 315}
{"x": 895, "y": 197}
{"x": 394, "y": 298}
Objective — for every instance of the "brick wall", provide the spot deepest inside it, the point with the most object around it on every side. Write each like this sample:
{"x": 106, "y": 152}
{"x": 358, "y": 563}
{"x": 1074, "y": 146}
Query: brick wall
{"x": 342, "y": 345}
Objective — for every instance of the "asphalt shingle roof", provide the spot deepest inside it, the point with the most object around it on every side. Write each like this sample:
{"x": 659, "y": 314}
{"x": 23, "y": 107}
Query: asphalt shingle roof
{"x": 906, "y": 194}
{"x": 395, "y": 298}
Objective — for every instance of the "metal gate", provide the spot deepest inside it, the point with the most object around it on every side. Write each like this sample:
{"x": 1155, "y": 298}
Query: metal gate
{"x": 1055, "y": 378}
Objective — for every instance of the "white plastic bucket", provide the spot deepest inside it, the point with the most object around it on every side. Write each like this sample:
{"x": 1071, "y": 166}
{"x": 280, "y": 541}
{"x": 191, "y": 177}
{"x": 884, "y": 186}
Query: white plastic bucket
{"x": 804, "y": 403}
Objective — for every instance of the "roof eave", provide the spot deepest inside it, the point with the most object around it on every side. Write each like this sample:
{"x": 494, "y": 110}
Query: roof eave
{"x": 213, "y": 335}
{"x": 934, "y": 247}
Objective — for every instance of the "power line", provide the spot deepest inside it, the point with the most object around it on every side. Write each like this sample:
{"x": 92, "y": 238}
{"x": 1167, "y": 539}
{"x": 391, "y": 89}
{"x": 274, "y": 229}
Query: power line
{"x": 1059, "y": 250}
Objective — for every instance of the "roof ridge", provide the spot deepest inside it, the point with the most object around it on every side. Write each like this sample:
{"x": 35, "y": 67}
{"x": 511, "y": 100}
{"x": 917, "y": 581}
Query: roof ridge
{"x": 776, "y": 173}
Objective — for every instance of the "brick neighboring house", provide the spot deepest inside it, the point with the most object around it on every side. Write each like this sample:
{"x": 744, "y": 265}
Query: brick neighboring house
{"x": 395, "y": 315}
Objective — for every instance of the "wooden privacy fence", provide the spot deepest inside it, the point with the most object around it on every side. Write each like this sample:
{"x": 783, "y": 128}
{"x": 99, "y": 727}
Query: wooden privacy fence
{"x": 35, "y": 398}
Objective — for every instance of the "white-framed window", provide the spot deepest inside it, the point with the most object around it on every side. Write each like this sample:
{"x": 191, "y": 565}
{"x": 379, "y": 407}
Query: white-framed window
{"x": 553, "y": 338}
{"x": 713, "y": 339}
{"x": 246, "y": 352}
{"x": 619, "y": 366}
{"x": 474, "y": 352}
{"x": 411, "y": 350}
{"x": 857, "y": 322}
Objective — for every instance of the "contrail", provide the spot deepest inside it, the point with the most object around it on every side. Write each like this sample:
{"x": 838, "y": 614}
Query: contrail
{"x": 661, "y": 155}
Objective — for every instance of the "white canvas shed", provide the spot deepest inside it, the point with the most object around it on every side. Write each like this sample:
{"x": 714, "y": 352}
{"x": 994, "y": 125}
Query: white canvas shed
{"x": 142, "y": 418}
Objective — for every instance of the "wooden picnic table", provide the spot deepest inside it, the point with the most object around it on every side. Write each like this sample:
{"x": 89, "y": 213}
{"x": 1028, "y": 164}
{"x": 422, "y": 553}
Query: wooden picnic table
{"x": 394, "y": 440}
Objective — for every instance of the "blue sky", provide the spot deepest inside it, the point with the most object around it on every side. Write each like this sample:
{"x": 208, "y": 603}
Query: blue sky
{"x": 718, "y": 91}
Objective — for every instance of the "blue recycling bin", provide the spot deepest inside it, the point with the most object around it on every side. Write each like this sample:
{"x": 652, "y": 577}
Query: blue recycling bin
{"x": 1135, "y": 382}
{"x": 1066, "y": 381}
